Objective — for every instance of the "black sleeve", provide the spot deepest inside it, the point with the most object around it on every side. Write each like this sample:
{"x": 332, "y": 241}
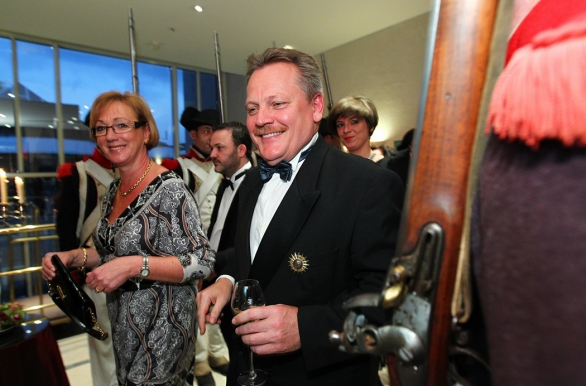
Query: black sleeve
{"x": 67, "y": 208}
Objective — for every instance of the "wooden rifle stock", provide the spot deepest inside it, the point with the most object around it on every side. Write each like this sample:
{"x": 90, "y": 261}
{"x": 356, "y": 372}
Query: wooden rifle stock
{"x": 436, "y": 192}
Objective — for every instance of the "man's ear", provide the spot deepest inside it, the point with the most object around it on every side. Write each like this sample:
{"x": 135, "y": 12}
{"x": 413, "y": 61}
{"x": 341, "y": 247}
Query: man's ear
{"x": 241, "y": 150}
{"x": 193, "y": 134}
{"x": 318, "y": 107}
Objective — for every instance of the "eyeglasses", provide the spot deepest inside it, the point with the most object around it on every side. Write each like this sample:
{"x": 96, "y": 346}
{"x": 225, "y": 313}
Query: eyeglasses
{"x": 122, "y": 126}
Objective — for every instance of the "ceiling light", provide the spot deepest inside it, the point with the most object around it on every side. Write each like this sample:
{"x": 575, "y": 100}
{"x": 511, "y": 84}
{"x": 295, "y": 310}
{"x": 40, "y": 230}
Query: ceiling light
{"x": 11, "y": 95}
{"x": 198, "y": 8}
{"x": 2, "y": 116}
{"x": 288, "y": 47}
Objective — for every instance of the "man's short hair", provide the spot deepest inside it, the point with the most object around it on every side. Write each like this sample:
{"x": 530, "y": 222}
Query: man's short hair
{"x": 358, "y": 106}
{"x": 326, "y": 129}
{"x": 240, "y": 135}
{"x": 407, "y": 140}
{"x": 310, "y": 79}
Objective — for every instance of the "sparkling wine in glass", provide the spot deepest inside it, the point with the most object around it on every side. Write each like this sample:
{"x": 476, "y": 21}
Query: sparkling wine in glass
{"x": 247, "y": 294}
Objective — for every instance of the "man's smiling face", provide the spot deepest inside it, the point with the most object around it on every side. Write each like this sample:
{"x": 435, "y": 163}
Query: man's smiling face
{"x": 280, "y": 119}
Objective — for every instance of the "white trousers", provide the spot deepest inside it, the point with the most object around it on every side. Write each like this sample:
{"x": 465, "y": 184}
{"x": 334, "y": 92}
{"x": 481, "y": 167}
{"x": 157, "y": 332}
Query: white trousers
{"x": 210, "y": 347}
{"x": 102, "y": 360}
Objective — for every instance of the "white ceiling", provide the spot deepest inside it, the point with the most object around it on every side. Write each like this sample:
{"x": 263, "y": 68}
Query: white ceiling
{"x": 172, "y": 31}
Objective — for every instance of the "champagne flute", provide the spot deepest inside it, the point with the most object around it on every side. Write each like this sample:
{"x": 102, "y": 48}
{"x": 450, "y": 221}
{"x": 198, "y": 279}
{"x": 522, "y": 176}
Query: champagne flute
{"x": 247, "y": 294}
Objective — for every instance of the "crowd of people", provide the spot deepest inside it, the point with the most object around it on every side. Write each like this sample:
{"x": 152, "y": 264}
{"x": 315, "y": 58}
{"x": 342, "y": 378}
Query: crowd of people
{"x": 315, "y": 220}
{"x": 153, "y": 236}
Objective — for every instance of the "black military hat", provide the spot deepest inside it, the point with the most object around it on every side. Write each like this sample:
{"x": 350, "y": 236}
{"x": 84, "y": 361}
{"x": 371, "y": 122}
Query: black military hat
{"x": 192, "y": 118}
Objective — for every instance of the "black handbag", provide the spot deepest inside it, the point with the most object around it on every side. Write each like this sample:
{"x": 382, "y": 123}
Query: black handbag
{"x": 73, "y": 301}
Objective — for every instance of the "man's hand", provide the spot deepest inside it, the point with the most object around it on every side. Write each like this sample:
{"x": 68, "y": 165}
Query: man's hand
{"x": 269, "y": 330}
{"x": 211, "y": 301}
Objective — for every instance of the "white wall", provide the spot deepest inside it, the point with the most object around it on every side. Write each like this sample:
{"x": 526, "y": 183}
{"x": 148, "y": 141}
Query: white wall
{"x": 386, "y": 67}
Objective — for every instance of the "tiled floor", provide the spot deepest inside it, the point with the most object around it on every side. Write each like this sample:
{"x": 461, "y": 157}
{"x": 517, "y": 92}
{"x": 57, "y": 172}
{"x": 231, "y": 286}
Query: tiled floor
{"x": 75, "y": 354}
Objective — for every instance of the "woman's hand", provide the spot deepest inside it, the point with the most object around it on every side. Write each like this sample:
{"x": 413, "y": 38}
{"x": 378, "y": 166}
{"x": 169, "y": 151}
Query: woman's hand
{"x": 111, "y": 275}
{"x": 67, "y": 258}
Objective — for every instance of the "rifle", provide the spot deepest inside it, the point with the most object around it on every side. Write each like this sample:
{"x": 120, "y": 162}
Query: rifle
{"x": 132, "y": 51}
{"x": 419, "y": 287}
{"x": 219, "y": 74}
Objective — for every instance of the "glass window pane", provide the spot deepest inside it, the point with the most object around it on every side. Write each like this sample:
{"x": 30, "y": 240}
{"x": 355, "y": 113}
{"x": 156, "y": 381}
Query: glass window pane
{"x": 38, "y": 118}
{"x": 209, "y": 91}
{"x": 39, "y": 193}
{"x": 7, "y": 136}
{"x": 154, "y": 85}
{"x": 187, "y": 90}
{"x": 83, "y": 77}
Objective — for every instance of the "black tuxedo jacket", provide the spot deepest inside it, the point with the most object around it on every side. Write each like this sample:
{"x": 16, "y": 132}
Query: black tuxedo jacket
{"x": 342, "y": 213}
{"x": 226, "y": 244}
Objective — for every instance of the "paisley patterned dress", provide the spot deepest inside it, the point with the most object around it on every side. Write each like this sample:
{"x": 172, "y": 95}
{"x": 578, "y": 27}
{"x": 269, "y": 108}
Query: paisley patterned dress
{"x": 153, "y": 329}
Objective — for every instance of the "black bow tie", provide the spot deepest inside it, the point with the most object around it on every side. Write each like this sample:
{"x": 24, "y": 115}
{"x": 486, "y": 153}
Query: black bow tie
{"x": 228, "y": 182}
{"x": 283, "y": 168}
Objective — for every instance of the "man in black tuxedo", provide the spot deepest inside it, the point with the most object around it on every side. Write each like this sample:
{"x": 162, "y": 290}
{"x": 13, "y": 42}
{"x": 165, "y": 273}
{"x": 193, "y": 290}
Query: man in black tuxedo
{"x": 231, "y": 154}
{"x": 319, "y": 231}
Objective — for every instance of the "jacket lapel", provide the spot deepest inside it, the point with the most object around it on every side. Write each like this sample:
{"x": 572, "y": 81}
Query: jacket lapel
{"x": 289, "y": 217}
{"x": 219, "y": 196}
{"x": 248, "y": 194}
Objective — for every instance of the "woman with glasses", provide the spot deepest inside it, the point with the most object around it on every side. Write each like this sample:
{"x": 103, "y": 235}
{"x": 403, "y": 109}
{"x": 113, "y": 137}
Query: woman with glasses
{"x": 149, "y": 249}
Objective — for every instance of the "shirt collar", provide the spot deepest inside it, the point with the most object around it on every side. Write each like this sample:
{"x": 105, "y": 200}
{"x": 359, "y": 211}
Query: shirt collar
{"x": 246, "y": 166}
{"x": 295, "y": 164}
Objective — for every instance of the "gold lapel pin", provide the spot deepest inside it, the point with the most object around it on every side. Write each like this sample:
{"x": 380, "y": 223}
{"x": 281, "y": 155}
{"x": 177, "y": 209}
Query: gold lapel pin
{"x": 298, "y": 263}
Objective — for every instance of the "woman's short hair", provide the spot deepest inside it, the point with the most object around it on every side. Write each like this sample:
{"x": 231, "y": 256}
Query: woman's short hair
{"x": 136, "y": 103}
{"x": 352, "y": 106}
{"x": 310, "y": 75}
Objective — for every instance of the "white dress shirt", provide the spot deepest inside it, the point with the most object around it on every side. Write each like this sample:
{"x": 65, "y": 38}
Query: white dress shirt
{"x": 269, "y": 200}
{"x": 224, "y": 207}
{"x": 271, "y": 195}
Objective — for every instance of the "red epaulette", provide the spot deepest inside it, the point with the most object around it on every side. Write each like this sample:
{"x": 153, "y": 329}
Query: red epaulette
{"x": 65, "y": 170}
{"x": 171, "y": 164}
